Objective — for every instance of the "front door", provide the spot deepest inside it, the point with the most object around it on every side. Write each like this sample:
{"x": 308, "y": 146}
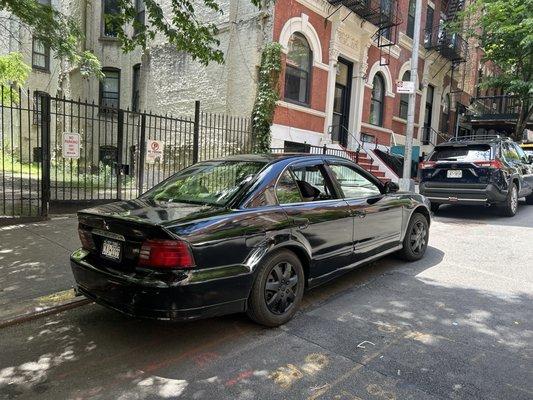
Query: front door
{"x": 341, "y": 102}
{"x": 317, "y": 216}
{"x": 428, "y": 114}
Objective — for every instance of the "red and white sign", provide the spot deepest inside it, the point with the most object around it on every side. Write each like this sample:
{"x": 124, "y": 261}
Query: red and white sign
{"x": 405, "y": 87}
{"x": 71, "y": 145}
{"x": 154, "y": 151}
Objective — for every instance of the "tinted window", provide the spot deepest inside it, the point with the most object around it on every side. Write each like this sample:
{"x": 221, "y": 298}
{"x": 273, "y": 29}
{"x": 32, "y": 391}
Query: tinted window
{"x": 287, "y": 190}
{"x": 213, "y": 182}
{"x": 463, "y": 154}
{"x": 312, "y": 182}
{"x": 353, "y": 184}
{"x": 509, "y": 152}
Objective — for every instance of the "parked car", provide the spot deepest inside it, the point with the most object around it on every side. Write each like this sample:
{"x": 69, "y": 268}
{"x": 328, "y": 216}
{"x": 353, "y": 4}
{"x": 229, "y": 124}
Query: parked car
{"x": 488, "y": 170}
{"x": 245, "y": 233}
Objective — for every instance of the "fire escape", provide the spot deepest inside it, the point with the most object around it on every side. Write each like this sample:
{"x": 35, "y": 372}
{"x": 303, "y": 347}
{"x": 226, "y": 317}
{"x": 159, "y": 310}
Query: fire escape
{"x": 450, "y": 45}
{"x": 384, "y": 14}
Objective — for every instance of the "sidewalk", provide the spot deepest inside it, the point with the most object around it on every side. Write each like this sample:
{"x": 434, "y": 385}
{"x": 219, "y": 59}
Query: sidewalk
{"x": 34, "y": 265}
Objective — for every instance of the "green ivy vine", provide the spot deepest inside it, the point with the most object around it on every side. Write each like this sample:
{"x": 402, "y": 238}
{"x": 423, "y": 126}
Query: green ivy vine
{"x": 267, "y": 95}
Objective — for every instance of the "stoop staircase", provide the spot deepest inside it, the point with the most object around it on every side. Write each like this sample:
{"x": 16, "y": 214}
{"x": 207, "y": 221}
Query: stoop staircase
{"x": 361, "y": 158}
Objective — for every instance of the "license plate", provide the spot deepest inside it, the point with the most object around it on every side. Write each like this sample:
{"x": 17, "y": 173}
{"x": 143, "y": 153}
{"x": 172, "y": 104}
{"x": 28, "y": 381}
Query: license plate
{"x": 454, "y": 173}
{"x": 111, "y": 250}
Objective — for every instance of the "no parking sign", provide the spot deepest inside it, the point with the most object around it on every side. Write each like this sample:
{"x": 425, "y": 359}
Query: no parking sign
{"x": 154, "y": 151}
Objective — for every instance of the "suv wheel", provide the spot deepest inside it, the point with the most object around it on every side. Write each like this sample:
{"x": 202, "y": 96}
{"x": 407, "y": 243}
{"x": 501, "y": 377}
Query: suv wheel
{"x": 510, "y": 206}
{"x": 277, "y": 290}
{"x": 435, "y": 207}
{"x": 416, "y": 238}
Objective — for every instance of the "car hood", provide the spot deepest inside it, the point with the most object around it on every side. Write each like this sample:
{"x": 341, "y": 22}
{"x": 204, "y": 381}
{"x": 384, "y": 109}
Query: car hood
{"x": 155, "y": 213}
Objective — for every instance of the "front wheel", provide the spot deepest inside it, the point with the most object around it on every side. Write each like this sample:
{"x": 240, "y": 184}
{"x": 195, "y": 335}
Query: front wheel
{"x": 277, "y": 290}
{"x": 416, "y": 238}
{"x": 509, "y": 208}
{"x": 435, "y": 207}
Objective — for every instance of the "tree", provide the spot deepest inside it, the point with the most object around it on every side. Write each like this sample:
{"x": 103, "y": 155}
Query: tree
{"x": 179, "y": 23}
{"x": 504, "y": 30}
{"x": 13, "y": 74}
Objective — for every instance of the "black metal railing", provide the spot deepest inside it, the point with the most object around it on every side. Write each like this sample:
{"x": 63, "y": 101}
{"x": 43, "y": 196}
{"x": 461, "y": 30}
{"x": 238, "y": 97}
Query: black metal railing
{"x": 505, "y": 107}
{"x": 382, "y": 13}
{"x": 111, "y": 160}
{"x": 430, "y": 136}
{"x": 450, "y": 45}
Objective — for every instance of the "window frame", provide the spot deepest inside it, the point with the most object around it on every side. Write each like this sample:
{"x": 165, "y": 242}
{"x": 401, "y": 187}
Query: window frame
{"x": 135, "y": 88}
{"x": 140, "y": 9}
{"x": 381, "y": 101}
{"x": 404, "y": 98}
{"x": 410, "y": 29}
{"x": 46, "y": 55}
{"x": 102, "y": 107}
{"x": 328, "y": 179}
{"x": 103, "y": 25}
{"x": 365, "y": 174}
{"x": 307, "y": 102}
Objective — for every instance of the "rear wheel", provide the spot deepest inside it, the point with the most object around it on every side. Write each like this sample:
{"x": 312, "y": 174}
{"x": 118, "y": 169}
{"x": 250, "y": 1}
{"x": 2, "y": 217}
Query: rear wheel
{"x": 435, "y": 207}
{"x": 509, "y": 208}
{"x": 416, "y": 238}
{"x": 277, "y": 290}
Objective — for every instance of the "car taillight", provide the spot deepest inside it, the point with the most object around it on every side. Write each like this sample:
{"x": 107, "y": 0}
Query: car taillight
{"x": 496, "y": 164}
{"x": 166, "y": 254}
{"x": 86, "y": 239}
{"x": 427, "y": 164}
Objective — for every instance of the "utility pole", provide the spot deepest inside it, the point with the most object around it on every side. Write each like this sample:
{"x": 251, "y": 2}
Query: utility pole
{"x": 406, "y": 183}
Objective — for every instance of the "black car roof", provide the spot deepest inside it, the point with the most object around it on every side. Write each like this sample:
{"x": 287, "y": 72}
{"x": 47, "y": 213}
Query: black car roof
{"x": 274, "y": 157}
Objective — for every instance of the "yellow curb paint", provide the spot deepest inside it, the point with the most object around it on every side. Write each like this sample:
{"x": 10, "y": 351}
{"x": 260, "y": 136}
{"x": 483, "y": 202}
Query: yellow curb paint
{"x": 57, "y": 297}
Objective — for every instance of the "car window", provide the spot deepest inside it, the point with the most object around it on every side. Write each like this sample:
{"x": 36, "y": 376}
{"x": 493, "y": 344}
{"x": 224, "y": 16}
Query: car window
{"x": 287, "y": 190}
{"x": 520, "y": 152}
{"x": 470, "y": 153}
{"x": 312, "y": 182}
{"x": 509, "y": 152}
{"x": 352, "y": 183}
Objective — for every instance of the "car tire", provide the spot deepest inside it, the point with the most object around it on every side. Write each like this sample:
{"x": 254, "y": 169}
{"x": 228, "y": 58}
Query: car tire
{"x": 434, "y": 207}
{"x": 416, "y": 238}
{"x": 275, "y": 304}
{"x": 510, "y": 206}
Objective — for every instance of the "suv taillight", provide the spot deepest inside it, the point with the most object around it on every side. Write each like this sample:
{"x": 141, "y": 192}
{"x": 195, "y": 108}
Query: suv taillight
{"x": 166, "y": 254}
{"x": 427, "y": 164}
{"x": 496, "y": 164}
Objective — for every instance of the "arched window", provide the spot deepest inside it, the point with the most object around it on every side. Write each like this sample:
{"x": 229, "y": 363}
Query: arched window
{"x": 376, "y": 103}
{"x": 404, "y": 98}
{"x": 298, "y": 70}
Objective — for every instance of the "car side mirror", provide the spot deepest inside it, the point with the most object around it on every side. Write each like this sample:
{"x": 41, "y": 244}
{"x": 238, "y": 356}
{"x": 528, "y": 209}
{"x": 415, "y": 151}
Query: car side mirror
{"x": 391, "y": 187}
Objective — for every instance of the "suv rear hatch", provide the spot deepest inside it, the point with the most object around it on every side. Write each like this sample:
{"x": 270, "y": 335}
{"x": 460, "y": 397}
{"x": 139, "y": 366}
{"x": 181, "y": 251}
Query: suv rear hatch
{"x": 466, "y": 165}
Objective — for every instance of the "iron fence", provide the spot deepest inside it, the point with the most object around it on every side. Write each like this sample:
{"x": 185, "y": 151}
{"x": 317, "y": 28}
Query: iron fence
{"x": 111, "y": 159}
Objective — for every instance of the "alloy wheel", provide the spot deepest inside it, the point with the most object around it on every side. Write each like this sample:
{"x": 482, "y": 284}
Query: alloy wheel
{"x": 418, "y": 237}
{"x": 280, "y": 288}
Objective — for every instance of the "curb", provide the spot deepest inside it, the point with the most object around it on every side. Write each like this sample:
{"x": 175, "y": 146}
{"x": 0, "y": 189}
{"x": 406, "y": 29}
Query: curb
{"x": 66, "y": 305}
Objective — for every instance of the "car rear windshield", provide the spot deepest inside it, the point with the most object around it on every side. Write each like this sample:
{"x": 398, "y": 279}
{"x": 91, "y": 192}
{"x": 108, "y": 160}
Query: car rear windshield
{"x": 470, "y": 153}
{"x": 211, "y": 182}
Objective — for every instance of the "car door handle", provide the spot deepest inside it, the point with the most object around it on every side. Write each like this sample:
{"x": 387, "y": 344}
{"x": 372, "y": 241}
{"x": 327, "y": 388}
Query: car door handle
{"x": 300, "y": 223}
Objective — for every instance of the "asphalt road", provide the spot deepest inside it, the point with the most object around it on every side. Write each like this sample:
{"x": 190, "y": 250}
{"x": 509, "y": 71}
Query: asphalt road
{"x": 456, "y": 325}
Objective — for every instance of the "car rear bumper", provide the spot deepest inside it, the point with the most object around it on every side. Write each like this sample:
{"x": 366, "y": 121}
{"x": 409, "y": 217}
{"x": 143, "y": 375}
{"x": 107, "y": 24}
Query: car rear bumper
{"x": 465, "y": 194}
{"x": 178, "y": 295}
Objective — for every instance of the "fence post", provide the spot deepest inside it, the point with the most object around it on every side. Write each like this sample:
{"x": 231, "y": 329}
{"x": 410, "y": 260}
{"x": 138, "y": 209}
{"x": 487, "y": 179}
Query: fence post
{"x": 142, "y": 154}
{"x": 196, "y": 134}
{"x": 120, "y": 144}
{"x": 45, "y": 156}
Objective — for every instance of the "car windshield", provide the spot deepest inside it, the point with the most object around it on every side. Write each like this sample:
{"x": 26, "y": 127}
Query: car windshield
{"x": 211, "y": 182}
{"x": 462, "y": 154}
{"x": 528, "y": 150}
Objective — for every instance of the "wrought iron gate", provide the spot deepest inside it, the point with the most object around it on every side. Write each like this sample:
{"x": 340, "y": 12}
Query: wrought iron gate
{"x": 57, "y": 151}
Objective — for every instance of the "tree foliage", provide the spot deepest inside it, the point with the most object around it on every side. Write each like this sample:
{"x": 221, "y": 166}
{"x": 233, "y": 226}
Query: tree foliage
{"x": 504, "y": 30}
{"x": 267, "y": 95}
{"x": 179, "y": 22}
{"x": 13, "y": 74}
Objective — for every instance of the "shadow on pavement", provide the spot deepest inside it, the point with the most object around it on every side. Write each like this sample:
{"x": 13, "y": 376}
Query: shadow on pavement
{"x": 379, "y": 332}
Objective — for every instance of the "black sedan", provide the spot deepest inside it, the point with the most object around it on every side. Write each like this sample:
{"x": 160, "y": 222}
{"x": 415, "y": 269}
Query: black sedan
{"x": 246, "y": 233}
